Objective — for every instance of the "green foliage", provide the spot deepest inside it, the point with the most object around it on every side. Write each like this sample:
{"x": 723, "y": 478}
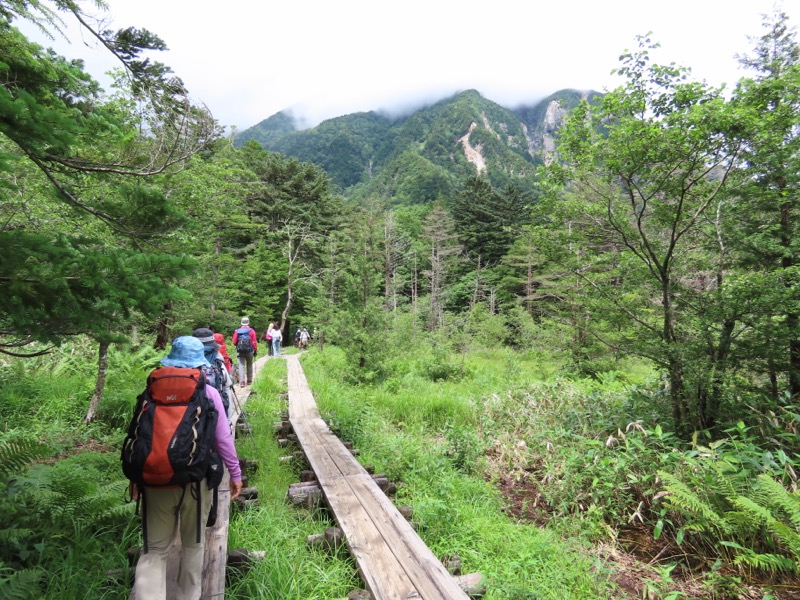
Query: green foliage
{"x": 67, "y": 286}
{"x": 727, "y": 499}
{"x": 464, "y": 448}
{"x": 75, "y": 222}
{"x": 488, "y": 221}
{"x": 17, "y": 454}
{"x": 20, "y": 585}
{"x": 61, "y": 515}
{"x": 431, "y": 454}
{"x": 409, "y": 160}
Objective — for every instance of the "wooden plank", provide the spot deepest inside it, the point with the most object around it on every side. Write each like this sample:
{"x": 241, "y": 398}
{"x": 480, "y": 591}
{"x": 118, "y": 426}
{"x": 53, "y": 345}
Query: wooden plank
{"x": 425, "y": 569}
{"x": 392, "y": 559}
{"x": 216, "y": 542}
{"x": 377, "y": 564}
{"x": 323, "y": 448}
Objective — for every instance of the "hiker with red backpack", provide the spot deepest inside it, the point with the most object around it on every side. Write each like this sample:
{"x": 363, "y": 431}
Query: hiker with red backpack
{"x": 246, "y": 342}
{"x": 223, "y": 350}
{"x": 173, "y": 455}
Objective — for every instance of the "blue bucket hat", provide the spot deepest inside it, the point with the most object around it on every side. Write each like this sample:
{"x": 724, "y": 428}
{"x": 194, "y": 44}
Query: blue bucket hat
{"x": 186, "y": 351}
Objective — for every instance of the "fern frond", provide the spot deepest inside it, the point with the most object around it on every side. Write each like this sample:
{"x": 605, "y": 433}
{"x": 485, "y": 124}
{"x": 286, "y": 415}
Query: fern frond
{"x": 760, "y": 514}
{"x": 21, "y": 585}
{"x": 787, "y": 537}
{"x": 18, "y": 454}
{"x": 770, "y": 563}
{"x": 682, "y": 499}
{"x": 723, "y": 482}
{"x": 100, "y": 504}
{"x": 773, "y": 494}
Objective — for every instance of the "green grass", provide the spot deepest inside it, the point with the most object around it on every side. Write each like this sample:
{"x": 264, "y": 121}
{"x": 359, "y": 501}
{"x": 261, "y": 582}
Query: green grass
{"x": 409, "y": 428}
{"x": 444, "y": 426}
{"x": 290, "y": 570}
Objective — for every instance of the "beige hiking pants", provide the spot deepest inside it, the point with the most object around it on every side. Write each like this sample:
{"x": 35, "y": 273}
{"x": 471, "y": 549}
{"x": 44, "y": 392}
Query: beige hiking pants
{"x": 162, "y": 520}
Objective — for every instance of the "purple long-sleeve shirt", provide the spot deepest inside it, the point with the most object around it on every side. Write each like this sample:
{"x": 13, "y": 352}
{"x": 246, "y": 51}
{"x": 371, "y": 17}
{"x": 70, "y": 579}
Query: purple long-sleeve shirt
{"x": 223, "y": 441}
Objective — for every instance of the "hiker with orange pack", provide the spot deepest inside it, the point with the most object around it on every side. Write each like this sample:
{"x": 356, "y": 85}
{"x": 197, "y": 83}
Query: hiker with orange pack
{"x": 173, "y": 455}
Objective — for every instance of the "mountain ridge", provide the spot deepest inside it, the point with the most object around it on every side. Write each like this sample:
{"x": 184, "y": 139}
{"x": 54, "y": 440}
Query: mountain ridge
{"x": 426, "y": 154}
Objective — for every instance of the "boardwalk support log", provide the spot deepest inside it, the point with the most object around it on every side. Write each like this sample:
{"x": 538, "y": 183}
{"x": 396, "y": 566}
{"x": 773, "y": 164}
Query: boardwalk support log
{"x": 332, "y": 539}
{"x": 249, "y": 493}
{"x": 452, "y": 562}
{"x": 243, "y": 428}
{"x": 406, "y": 511}
{"x": 250, "y": 466}
{"x": 474, "y": 584}
{"x": 309, "y": 496}
{"x": 244, "y": 504}
{"x": 358, "y": 595}
{"x": 242, "y": 560}
{"x": 282, "y": 428}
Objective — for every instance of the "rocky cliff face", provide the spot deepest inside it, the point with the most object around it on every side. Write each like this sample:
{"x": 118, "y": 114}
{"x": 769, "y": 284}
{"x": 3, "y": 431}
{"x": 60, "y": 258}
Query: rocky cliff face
{"x": 542, "y": 121}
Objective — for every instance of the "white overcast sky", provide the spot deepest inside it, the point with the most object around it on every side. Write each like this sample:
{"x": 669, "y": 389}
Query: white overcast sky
{"x": 248, "y": 59}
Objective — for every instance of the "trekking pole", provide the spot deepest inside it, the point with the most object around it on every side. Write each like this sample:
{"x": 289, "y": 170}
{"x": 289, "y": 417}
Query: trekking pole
{"x": 238, "y": 405}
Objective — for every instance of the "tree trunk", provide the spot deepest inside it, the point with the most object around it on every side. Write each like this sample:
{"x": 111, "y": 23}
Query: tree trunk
{"x": 529, "y": 288}
{"x": 100, "y": 384}
{"x": 477, "y": 292}
{"x": 414, "y": 294}
{"x": 286, "y": 308}
{"x": 677, "y": 392}
{"x": 710, "y": 398}
{"x": 163, "y": 333}
{"x": 215, "y": 278}
{"x": 792, "y": 318}
{"x": 388, "y": 267}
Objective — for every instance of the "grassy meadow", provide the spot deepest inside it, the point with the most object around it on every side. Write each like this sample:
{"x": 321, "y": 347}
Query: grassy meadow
{"x": 551, "y": 484}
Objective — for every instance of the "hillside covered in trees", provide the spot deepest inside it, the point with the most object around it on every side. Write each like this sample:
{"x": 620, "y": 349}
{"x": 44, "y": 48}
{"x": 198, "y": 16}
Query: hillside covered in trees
{"x": 572, "y": 330}
{"x": 426, "y": 155}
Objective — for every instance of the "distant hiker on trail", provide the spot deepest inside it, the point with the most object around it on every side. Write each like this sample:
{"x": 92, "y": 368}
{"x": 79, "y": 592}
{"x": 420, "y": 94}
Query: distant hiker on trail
{"x": 220, "y": 339}
{"x": 304, "y": 337}
{"x": 268, "y": 338}
{"x": 297, "y": 337}
{"x": 246, "y": 343}
{"x": 217, "y": 375}
{"x": 277, "y": 337}
{"x": 175, "y": 485}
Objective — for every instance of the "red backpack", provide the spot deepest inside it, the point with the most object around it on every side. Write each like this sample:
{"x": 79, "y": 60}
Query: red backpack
{"x": 170, "y": 439}
{"x": 171, "y": 435}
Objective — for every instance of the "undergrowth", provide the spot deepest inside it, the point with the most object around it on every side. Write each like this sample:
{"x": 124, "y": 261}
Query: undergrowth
{"x": 454, "y": 428}
{"x": 723, "y": 512}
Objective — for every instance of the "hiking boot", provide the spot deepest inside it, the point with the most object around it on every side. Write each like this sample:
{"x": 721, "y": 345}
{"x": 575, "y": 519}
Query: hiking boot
{"x": 242, "y": 384}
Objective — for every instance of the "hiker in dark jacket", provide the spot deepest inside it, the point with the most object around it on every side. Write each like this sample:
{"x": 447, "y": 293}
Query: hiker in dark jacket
{"x": 245, "y": 351}
{"x": 217, "y": 375}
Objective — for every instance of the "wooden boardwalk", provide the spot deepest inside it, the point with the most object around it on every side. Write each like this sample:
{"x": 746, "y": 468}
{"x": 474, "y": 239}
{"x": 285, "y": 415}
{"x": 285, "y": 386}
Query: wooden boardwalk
{"x": 393, "y": 561}
{"x": 216, "y": 542}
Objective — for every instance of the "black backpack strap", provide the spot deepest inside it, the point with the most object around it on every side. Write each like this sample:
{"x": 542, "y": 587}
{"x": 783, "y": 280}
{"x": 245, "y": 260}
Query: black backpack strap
{"x": 212, "y": 514}
{"x": 141, "y": 499}
{"x": 199, "y": 507}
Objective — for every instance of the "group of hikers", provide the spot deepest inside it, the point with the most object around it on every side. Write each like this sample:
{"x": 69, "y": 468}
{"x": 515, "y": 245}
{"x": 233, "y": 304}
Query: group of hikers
{"x": 274, "y": 338}
{"x": 177, "y": 443}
